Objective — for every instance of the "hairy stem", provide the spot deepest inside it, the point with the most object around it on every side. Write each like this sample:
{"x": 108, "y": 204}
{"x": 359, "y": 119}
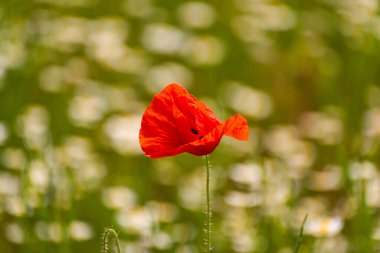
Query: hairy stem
{"x": 108, "y": 234}
{"x": 207, "y": 239}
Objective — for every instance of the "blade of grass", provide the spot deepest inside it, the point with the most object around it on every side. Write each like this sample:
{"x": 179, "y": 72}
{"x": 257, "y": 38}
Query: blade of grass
{"x": 300, "y": 236}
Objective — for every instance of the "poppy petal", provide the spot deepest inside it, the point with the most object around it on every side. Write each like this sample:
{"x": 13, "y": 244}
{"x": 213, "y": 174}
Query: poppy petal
{"x": 236, "y": 127}
{"x": 158, "y": 133}
{"x": 169, "y": 120}
{"x": 176, "y": 122}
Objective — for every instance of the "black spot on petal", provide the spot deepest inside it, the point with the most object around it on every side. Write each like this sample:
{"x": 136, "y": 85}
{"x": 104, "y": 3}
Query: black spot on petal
{"x": 194, "y": 131}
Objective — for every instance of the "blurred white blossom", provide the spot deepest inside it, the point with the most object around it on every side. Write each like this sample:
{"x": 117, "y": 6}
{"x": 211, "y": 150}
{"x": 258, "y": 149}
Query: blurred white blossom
{"x": 204, "y": 50}
{"x": 159, "y": 76}
{"x": 196, "y": 14}
{"x": 242, "y": 200}
{"x": 49, "y": 231}
{"x": 163, "y": 38}
{"x": 139, "y": 8}
{"x": 122, "y": 133}
{"x": 323, "y": 226}
{"x": 190, "y": 191}
{"x": 33, "y": 126}
{"x": 87, "y": 166}
{"x": 138, "y": 220}
{"x": 3, "y": 133}
{"x": 9, "y": 184}
{"x": 322, "y": 127}
{"x": 38, "y": 175}
{"x": 85, "y": 110}
{"x": 259, "y": 17}
{"x": 13, "y": 158}
{"x": 372, "y": 191}
{"x": 328, "y": 179}
{"x": 372, "y": 123}
{"x": 14, "y": 205}
{"x": 119, "y": 197}
{"x": 80, "y": 230}
{"x": 248, "y": 173}
{"x": 248, "y": 101}
{"x": 285, "y": 142}
{"x": 14, "y": 233}
{"x": 365, "y": 170}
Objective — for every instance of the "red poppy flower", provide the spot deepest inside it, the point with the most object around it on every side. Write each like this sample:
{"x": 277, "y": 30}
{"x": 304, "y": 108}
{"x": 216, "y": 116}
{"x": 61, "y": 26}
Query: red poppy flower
{"x": 176, "y": 122}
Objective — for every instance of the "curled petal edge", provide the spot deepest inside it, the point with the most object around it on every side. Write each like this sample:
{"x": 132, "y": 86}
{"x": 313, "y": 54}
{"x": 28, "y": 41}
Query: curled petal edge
{"x": 235, "y": 127}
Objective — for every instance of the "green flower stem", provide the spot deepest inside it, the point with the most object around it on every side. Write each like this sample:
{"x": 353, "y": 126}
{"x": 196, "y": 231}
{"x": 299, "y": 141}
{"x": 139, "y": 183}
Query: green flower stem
{"x": 106, "y": 238}
{"x": 207, "y": 240}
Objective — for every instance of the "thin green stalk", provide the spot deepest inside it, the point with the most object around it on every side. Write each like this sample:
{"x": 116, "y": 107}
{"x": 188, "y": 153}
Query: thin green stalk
{"x": 207, "y": 239}
{"x": 300, "y": 235}
{"x": 106, "y": 239}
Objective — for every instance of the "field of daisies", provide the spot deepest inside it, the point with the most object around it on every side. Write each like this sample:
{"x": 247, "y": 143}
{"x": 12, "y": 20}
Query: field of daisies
{"x": 76, "y": 77}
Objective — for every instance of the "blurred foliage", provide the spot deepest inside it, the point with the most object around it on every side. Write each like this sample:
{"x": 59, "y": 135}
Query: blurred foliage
{"x": 76, "y": 76}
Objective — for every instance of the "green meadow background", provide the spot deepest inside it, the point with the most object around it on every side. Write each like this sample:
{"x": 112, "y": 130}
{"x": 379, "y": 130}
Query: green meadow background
{"x": 77, "y": 75}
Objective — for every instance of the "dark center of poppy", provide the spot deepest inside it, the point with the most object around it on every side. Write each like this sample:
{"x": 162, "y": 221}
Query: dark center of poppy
{"x": 194, "y": 131}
